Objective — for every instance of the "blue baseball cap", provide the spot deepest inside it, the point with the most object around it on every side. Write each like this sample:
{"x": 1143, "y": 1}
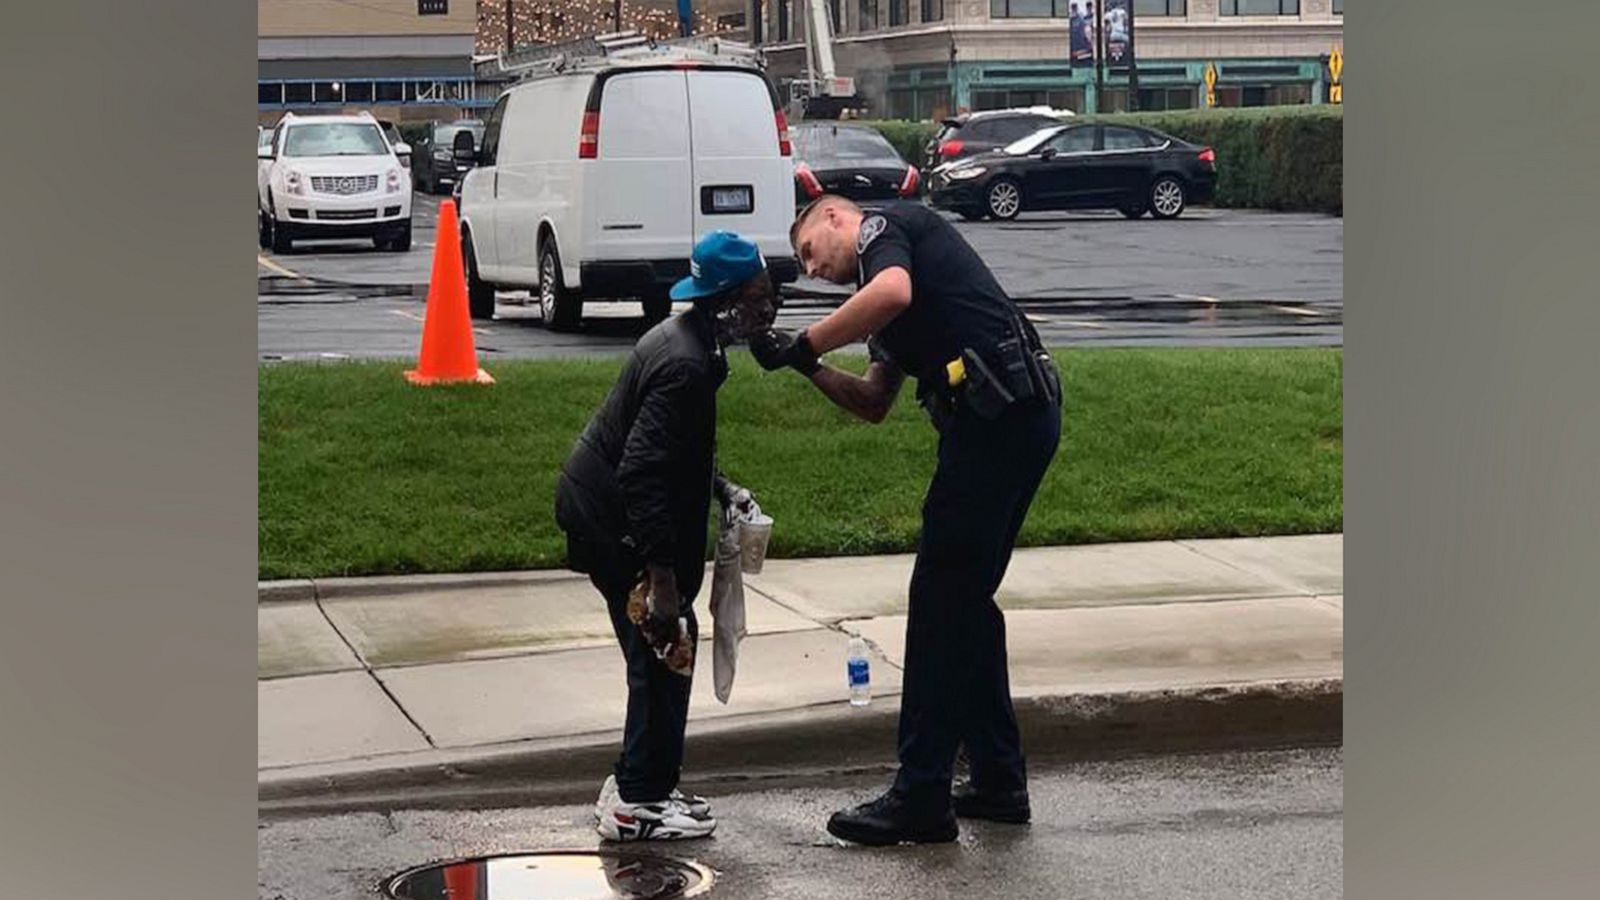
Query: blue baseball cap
{"x": 721, "y": 260}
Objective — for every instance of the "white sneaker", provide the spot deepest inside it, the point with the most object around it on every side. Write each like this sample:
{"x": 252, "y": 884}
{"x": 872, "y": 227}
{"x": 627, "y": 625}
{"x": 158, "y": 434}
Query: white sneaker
{"x": 608, "y": 797}
{"x": 698, "y": 806}
{"x": 668, "y": 820}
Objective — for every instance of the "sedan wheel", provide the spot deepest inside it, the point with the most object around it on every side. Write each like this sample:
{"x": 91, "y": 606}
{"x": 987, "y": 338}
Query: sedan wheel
{"x": 1005, "y": 200}
{"x": 1166, "y": 197}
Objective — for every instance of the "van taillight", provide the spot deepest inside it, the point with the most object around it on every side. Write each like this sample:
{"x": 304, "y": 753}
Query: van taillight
{"x": 908, "y": 187}
{"x": 808, "y": 180}
{"x": 589, "y": 137}
{"x": 784, "y": 147}
{"x": 950, "y": 148}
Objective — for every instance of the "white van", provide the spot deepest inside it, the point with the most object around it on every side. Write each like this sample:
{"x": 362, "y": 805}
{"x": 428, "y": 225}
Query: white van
{"x": 595, "y": 183}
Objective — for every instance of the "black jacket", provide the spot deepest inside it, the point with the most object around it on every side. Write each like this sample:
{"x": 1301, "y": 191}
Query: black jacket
{"x": 638, "y": 484}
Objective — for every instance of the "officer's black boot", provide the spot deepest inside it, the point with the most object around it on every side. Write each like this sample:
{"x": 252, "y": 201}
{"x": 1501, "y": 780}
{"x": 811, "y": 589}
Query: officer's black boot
{"x": 996, "y": 806}
{"x": 892, "y": 819}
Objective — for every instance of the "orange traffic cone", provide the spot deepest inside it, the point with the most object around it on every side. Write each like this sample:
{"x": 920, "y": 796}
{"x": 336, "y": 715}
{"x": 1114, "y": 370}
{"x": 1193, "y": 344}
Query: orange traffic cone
{"x": 447, "y": 351}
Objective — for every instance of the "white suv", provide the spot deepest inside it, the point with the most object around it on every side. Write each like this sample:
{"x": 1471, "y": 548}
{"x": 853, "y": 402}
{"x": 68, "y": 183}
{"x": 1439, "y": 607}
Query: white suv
{"x": 332, "y": 177}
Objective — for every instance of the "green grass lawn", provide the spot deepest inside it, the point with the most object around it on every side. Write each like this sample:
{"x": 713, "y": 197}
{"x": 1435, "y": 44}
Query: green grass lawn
{"x": 362, "y": 473}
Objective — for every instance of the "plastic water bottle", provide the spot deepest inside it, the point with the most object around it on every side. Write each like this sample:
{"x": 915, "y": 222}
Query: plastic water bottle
{"x": 860, "y": 675}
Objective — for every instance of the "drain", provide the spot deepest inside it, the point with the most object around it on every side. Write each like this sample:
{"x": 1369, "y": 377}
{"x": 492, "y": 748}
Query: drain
{"x": 554, "y": 875}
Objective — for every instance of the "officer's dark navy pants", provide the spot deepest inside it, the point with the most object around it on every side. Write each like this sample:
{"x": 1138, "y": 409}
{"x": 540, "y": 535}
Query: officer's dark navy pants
{"x": 956, "y": 690}
{"x": 658, "y": 700}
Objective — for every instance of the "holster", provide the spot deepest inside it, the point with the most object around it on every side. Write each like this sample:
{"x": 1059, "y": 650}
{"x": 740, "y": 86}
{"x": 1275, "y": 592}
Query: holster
{"x": 1016, "y": 370}
{"x": 938, "y": 401}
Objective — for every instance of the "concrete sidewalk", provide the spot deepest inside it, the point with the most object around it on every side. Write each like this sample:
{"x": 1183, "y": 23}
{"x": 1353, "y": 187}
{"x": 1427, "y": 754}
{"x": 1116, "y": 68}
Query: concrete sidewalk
{"x": 368, "y": 682}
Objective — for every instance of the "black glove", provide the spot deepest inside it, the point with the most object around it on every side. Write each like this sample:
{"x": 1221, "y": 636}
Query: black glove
{"x": 775, "y": 349}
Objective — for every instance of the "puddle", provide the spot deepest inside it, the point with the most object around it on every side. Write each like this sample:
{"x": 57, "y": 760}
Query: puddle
{"x": 554, "y": 875}
{"x": 332, "y": 291}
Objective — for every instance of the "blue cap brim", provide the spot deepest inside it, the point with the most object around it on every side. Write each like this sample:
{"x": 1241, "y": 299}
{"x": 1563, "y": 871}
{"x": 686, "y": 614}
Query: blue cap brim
{"x": 689, "y": 289}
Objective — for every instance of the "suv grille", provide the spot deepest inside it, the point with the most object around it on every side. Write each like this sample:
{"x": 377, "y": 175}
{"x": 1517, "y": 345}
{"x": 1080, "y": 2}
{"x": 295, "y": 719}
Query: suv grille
{"x": 346, "y": 214}
{"x": 344, "y": 185}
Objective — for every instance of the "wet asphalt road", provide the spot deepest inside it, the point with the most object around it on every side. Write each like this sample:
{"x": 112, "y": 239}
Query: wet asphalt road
{"x": 1241, "y": 826}
{"x": 1211, "y": 278}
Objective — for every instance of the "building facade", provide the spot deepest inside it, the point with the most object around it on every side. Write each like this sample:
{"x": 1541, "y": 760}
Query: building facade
{"x": 925, "y": 59}
{"x": 405, "y": 60}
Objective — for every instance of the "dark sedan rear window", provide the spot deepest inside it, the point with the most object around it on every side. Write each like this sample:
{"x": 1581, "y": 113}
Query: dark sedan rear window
{"x": 846, "y": 146}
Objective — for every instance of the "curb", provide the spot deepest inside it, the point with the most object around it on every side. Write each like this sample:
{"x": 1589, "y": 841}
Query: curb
{"x": 818, "y": 742}
{"x": 388, "y": 585}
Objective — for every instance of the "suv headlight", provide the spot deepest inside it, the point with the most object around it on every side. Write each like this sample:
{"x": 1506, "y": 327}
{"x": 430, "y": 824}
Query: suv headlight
{"x": 964, "y": 174}
{"x": 394, "y": 181}
{"x": 294, "y": 182}
{"x": 443, "y": 155}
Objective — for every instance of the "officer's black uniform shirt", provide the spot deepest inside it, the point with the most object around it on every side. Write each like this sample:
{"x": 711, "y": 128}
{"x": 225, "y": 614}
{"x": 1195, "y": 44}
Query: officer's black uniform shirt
{"x": 955, "y": 300}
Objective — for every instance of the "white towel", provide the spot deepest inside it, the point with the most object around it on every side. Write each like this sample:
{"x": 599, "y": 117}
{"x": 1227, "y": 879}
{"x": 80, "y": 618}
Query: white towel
{"x": 727, "y": 608}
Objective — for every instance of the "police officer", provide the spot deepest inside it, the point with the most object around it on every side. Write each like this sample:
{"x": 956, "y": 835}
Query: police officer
{"x": 633, "y": 498}
{"x": 934, "y": 311}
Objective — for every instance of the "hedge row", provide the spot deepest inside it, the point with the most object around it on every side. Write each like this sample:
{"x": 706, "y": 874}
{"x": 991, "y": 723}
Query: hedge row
{"x": 1288, "y": 158}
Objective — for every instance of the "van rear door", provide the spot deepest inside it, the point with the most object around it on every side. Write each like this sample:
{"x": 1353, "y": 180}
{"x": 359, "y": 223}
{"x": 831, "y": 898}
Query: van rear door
{"x": 742, "y": 183}
{"x": 639, "y": 184}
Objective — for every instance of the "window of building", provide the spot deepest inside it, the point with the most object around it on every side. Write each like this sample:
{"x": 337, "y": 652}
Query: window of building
{"x": 1178, "y": 8}
{"x": 1153, "y": 99}
{"x": 1260, "y": 8}
{"x": 269, "y": 92}
{"x": 1070, "y": 98}
{"x": 390, "y": 91}
{"x": 932, "y": 10}
{"x": 1264, "y": 95}
{"x": 1026, "y": 9}
{"x": 297, "y": 92}
{"x": 933, "y": 105}
{"x": 783, "y": 20}
{"x": 1060, "y": 98}
{"x": 837, "y": 12}
{"x": 1338, "y": 7}
{"x": 358, "y": 92}
{"x": 327, "y": 92}
{"x": 867, "y": 15}
{"x": 898, "y": 10}
{"x": 902, "y": 103}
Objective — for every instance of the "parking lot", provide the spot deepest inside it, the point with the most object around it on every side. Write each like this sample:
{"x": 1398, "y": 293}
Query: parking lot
{"x": 1212, "y": 278}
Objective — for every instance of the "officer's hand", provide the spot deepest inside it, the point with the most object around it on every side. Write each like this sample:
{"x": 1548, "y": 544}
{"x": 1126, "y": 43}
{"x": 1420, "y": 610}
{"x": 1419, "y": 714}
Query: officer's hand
{"x": 775, "y": 349}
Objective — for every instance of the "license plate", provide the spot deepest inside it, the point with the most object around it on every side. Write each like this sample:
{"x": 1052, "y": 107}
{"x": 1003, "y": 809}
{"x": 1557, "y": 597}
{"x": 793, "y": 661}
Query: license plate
{"x": 731, "y": 200}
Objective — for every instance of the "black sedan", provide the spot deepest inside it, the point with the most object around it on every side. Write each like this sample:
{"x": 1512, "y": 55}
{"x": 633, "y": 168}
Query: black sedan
{"x": 1119, "y": 167}
{"x": 434, "y": 161}
{"x": 853, "y": 161}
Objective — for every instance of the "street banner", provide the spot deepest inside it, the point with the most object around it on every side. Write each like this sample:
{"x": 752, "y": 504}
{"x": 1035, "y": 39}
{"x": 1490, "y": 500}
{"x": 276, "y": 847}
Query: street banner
{"x": 1119, "y": 35}
{"x": 1080, "y": 25}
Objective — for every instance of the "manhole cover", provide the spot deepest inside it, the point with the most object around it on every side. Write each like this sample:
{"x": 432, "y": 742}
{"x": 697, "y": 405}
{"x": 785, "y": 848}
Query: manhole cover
{"x": 556, "y": 875}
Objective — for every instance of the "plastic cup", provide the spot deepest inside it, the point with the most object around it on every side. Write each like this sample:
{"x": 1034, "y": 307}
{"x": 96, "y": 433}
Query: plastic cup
{"x": 753, "y": 537}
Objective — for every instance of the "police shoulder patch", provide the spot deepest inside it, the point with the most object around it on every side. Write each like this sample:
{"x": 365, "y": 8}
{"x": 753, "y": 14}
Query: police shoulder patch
{"x": 871, "y": 227}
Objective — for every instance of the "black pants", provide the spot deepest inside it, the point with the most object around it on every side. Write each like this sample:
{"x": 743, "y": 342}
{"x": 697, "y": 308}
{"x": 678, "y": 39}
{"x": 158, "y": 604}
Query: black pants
{"x": 956, "y": 687}
{"x": 658, "y": 700}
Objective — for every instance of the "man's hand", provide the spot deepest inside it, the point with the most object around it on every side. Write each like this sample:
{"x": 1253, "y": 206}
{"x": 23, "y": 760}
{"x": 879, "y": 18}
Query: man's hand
{"x": 775, "y": 349}
{"x": 660, "y": 625}
{"x": 737, "y": 502}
